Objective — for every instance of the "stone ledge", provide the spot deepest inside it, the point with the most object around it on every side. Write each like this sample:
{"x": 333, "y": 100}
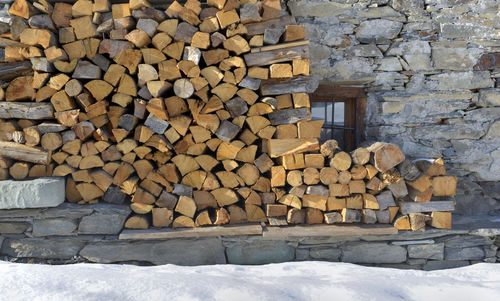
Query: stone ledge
{"x": 38, "y": 193}
{"x": 329, "y": 230}
{"x": 266, "y": 232}
{"x": 191, "y": 232}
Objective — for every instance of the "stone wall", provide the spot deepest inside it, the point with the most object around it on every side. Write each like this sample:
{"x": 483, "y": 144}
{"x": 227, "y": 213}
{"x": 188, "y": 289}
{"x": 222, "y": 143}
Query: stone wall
{"x": 430, "y": 73}
{"x": 71, "y": 233}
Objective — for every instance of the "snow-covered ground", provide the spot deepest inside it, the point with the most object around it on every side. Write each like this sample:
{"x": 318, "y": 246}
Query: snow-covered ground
{"x": 288, "y": 281}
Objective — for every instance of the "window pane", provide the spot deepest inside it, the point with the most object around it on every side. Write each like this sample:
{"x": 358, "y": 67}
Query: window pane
{"x": 339, "y": 113}
{"x": 318, "y": 110}
{"x": 329, "y": 107}
{"x": 338, "y": 134}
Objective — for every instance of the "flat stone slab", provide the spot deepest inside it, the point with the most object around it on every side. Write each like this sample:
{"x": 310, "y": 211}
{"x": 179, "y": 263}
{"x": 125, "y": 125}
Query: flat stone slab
{"x": 192, "y": 232}
{"x": 260, "y": 252}
{"x": 329, "y": 230}
{"x": 177, "y": 251}
{"x": 38, "y": 193}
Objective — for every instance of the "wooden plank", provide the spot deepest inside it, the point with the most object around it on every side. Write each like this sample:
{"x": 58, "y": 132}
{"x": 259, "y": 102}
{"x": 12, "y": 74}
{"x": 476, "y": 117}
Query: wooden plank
{"x": 11, "y": 70}
{"x": 276, "y": 56}
{"x": 418, "y": 207}
{"x": 328, "y": 230}
{"x": 26, "y": 110}
{"x": 301, "y": 84}
{"x": 22, "y": 152}
{"x": 259, "y": 27}
{"x": 236, "y": 230}
{"x": 279, "y": 46}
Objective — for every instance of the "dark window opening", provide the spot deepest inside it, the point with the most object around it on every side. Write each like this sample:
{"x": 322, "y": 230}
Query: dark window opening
{"x": 343, "y": 109}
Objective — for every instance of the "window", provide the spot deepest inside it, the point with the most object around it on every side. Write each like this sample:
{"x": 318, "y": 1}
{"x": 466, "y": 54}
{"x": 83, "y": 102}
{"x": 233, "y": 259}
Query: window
{"x": 343, "y": 109}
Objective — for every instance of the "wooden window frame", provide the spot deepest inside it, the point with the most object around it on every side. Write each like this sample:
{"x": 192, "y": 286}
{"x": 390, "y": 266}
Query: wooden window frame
{"x": 355, "y": 110}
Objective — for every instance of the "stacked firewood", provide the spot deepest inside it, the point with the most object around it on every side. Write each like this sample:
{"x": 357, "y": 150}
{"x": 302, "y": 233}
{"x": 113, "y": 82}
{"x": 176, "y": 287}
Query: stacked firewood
{"x": 198, "y": 116}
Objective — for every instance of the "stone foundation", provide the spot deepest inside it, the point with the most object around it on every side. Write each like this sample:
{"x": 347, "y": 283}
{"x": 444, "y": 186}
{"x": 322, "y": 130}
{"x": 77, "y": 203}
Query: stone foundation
{"x": 71, "y": 233}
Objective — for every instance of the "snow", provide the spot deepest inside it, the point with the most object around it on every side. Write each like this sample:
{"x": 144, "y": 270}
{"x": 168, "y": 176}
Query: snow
{"x": 287, "y": 281}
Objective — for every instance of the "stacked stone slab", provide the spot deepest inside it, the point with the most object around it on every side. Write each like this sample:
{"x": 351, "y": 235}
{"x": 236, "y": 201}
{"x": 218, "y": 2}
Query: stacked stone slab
{"x": 197, "y": 116}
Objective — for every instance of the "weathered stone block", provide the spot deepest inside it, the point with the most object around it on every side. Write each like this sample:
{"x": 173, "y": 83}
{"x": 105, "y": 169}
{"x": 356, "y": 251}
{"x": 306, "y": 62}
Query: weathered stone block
{"x": 107, "y": 219}
{"x": 451, "y": 58}
{"x": 318, "y": 9}
{"x": 373, "y": 253}
{"x": 378, "y": 30}
{"x": 13, "y": 227}
{"x": 448, "y": 132}
{"x": 38, "y": 193}
{"x": 53, "y": 226}
{"x": 42, "y": 248}
{"x": 409, "y": 7}
{"x": 326, "y": 253}
{"x": 67, "y": 210}
{"x": 432, "y": 265}
{"x": 474, "y": 253}
{"x": 260, "y": 252}
{"x": 431, "y": 251}
{"x": 490, "y": 97}
{"x": 461, "y": 80}
{"x": 467, "y": 241}
{"x": 175, "y": 251}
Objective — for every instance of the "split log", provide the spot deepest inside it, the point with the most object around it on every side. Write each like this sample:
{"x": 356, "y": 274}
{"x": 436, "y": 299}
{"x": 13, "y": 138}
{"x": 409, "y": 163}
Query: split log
{"x": 385, "y": 155}
{"x": 23, "y": 153}
{"x": 21, "y": 110}
{"x": 263, "y": 58}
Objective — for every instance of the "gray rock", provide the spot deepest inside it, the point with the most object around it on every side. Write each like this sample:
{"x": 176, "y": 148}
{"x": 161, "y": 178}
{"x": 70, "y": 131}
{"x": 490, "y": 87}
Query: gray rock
{"x": 370, "y": 50}
{"x": 42, "y": 248}
{"x": 373, "y": 253}
{"x": 86, "y": 70}
{"x": 461, "y": 80}
{"x": 431, "y": 251}
{"x": 107, "y": 219}
{"x": 413, "y": 242}
{"x": 67, "y": 210}
{"x": 300, "y": 254}
{"x": 381, "y": 12}
{"x": 409, "y": 7}
{"x": 176, "y": 251}
{"x": 12, "y": 213}
{"x": 455, "y": 58}
{"x": 53, "y": 226}
{"x": 330, "y": 254}
{"x": 490, "y": 97}
{"x": 250, "y": 83}
{"x": 260, "y": 252}
{"x": 378, "y": 30}
{"x": 467, "y": 241}
{"x": 13, "y": 227}
{"x": 432, "y": 265}
{"x": 448, "y": 132}
{"x": 474, "y": 253}
{"x": 37, "y": 193}
{"x": 389, "y": 64}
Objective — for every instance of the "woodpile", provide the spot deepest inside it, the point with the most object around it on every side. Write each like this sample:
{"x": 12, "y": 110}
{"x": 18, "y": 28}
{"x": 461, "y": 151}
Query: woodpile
{"x": 197, "y": 115}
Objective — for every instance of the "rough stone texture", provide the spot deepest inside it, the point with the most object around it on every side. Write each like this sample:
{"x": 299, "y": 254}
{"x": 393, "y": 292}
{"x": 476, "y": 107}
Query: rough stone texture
{"x": 433, "y": 251}
{"x": 107, "y": 219}
{"x": 474, "y": 253}
{"x": 326, "y": 253}
{"x": 432, "y": 265}
{"x": 181, "y": 252}
{"x": 38, "y": 193}
{"x": 42, "y": 248}
{"x": 13, "y": 227}
{"x": 373, "y": 253}
{"x": 53, "y": 226}
{"x": 430, "y": 69}
{"x": 260, "y": 252}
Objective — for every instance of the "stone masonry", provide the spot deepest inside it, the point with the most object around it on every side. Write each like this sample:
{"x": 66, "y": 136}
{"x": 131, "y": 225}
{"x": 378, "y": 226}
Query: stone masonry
{"x": 431, "y": 76}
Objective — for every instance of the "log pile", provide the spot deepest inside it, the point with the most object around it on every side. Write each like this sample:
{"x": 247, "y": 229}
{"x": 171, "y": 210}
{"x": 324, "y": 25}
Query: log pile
{"x": 197, "y": 115}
